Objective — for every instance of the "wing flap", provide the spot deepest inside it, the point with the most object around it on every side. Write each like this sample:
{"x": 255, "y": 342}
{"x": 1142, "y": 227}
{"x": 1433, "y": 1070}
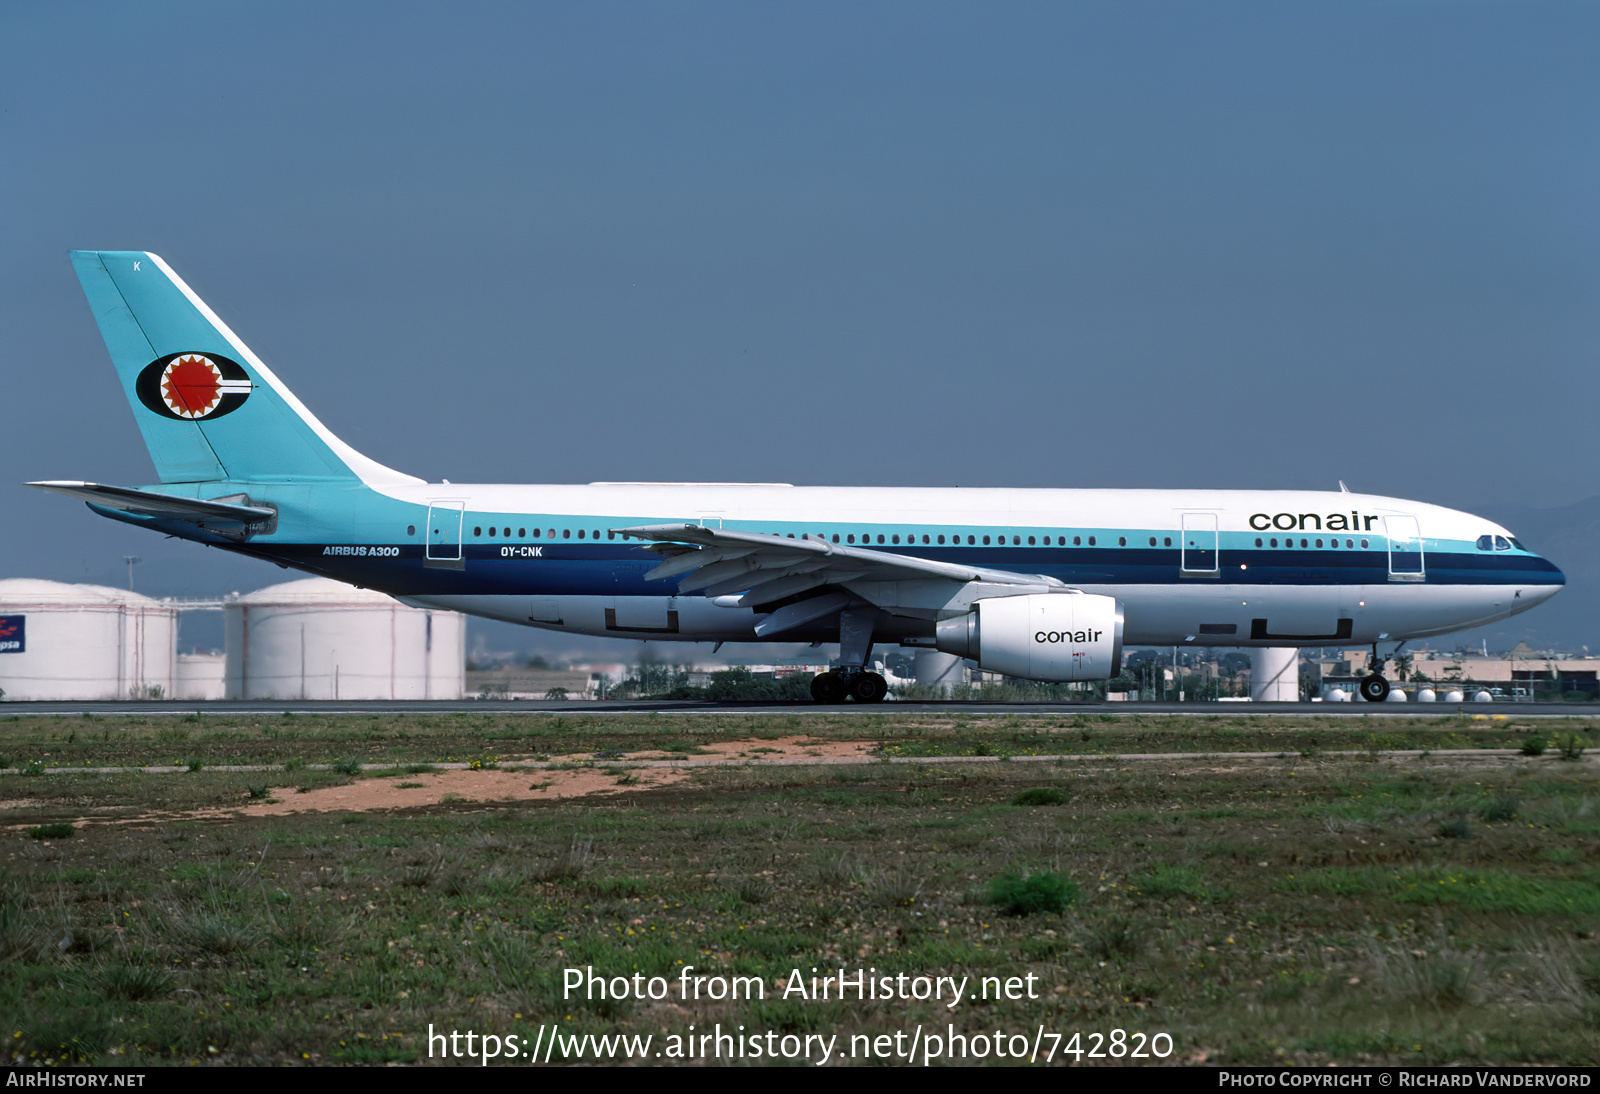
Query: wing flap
{"x": 795, "y": 615}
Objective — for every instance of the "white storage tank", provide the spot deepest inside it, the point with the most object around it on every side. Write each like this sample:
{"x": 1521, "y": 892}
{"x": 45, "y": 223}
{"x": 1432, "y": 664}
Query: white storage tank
{"x": 60, "y": 641}
{"x": 322, "y": 639}
{"x": 200, "y": 676}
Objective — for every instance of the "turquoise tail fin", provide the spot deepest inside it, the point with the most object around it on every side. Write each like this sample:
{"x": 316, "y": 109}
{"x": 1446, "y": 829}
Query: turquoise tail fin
{"x": 208, "y": 408}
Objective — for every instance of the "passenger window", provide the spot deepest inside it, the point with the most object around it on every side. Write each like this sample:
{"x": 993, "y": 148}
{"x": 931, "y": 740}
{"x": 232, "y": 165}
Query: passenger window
{"x": 1168, "y": 542}
{"x": 1258, "y": 543}
{"x": 986, "y": 541}
{"x": 1122, "y": 541}
{"x": 477, "y": 531}
{"x": 896, "y": 540}
{"x": 1091, "y": 541}
{"x": 1319, "y": 543}
{"x": 1030, "y": 541}
{"x": 1363, "y": 545}
{"x": 552, "y": 533}
{"x": 971, "y": 540}
{"x": 566, "y": 533}
{"x": 924, "y": 540}
{"x": 941, "y": 541}
{"x": 850, "y": 539}
{"x": 522, "y": 533}
{"x": 491, "y": 533}
{"x": 836, "y": 537}
{"x": 1077, "y": 541}
{"x": 536, "y": 533}
{"x": 411, "y": 529}
{"x": 1152, "y": 541}
{"x": 580, "y": 533}
{"x": 1274, "y": 541}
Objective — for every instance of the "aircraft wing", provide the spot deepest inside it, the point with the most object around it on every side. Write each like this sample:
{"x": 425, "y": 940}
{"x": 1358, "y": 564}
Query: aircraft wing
{"x": 766, "y": 569}
{"x": 224, "y": 515}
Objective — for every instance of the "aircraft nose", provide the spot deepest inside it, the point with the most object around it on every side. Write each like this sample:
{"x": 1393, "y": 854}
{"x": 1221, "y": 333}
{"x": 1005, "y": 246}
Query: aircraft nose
{"x": 1553, "y": 582}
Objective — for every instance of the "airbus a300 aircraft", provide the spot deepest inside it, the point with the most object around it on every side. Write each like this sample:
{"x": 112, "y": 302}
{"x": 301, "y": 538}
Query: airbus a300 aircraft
{"x": 1040, "y": 584}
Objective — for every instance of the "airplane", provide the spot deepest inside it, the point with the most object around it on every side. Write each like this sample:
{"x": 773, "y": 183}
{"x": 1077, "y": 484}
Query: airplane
{"x": 1042, "y": 584}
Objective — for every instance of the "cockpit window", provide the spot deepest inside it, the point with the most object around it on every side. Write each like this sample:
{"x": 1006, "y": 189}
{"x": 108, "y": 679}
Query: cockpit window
{"x": 1501, "y": 543}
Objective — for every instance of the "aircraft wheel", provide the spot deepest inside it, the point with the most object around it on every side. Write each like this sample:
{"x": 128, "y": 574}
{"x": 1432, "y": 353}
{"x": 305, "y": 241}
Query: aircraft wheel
{"x": 826, "y": 687}
{"x": 1374, "y": 688}
{"x": 869, "y": 687}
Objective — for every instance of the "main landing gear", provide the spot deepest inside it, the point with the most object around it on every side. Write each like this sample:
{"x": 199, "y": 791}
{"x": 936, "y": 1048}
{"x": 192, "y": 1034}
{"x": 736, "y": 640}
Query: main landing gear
{"x": 852, "y": 679}
{"x": 1374, "y": 688}
{"x": 835, "y": 686}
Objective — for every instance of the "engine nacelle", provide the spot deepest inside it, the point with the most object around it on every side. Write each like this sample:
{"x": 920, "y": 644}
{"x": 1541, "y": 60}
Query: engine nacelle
{"x": 1059, "y": 637}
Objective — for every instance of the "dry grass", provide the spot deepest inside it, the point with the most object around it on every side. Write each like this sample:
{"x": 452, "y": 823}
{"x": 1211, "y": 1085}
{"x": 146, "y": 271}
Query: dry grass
{"x": 1302, "y": 911}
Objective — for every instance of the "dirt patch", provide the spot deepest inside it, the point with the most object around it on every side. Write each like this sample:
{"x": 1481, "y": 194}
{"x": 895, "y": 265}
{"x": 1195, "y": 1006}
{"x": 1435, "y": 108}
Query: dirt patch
{"x": 545, "y": 782}
{"x": 435, "y": 788}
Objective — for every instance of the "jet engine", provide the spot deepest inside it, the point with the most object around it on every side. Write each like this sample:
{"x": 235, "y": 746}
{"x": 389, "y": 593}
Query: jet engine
{"x": 1059, "y": 637}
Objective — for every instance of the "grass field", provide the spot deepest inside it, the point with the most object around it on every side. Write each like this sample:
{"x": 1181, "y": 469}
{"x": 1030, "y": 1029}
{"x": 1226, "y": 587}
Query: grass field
{"x": 1302, "y": 908}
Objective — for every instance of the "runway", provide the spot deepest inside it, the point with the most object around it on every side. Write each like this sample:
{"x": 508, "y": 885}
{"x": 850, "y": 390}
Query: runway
{"x": 689, "y": 709}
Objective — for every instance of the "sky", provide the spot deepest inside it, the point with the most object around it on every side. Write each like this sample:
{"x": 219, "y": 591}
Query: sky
{"x": 1243, "y": 245}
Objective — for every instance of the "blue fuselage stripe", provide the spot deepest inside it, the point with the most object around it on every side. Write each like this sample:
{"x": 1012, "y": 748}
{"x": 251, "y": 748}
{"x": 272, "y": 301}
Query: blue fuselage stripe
{"x": 615, "y": 569}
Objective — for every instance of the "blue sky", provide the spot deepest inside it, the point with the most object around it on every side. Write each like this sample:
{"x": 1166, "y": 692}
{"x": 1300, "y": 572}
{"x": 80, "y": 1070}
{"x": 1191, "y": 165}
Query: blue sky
{"x": 1125, "y": 244}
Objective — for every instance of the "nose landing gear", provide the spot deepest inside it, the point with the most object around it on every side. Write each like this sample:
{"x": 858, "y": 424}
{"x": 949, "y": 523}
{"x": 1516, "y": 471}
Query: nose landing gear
{"x": 1374, "y": 688}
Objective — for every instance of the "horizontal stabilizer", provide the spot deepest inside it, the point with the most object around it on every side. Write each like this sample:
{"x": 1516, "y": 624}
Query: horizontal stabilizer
{"x": 230, "y": 517}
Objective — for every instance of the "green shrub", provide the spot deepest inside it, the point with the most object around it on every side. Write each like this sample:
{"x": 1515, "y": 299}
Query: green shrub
{"x": 52, "y": 831}
{"x": 1570, "y": 745}
{"x": 1116, "y": 938}
{"x": 1534, "y": 746}
{"x": 1498, "y": 809}
{"x": 1039, "y": 795}
{"x": 1455, "y": 828}
{"x": 1014, "y": 894}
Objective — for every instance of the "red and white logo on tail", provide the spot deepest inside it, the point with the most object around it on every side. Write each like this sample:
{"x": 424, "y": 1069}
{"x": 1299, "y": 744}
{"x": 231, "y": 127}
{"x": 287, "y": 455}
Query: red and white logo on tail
{"x": 193, "y": 386}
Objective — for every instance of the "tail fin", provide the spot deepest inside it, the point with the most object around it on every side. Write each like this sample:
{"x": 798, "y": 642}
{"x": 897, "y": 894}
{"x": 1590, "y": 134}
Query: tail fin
{"x": 208, "y": 408}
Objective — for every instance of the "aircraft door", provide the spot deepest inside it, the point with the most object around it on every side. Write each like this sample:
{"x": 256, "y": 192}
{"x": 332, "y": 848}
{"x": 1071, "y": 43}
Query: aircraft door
{"x": 444, "y": 535}
{"x": 1405, "y": 549}
{"x": 1200, "y": 545}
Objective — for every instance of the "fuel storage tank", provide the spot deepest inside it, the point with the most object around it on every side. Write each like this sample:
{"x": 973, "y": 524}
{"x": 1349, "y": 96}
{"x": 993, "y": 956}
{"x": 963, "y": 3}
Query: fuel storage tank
{"x": 60, "y": 641}
{"x": 322, "y": 639}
